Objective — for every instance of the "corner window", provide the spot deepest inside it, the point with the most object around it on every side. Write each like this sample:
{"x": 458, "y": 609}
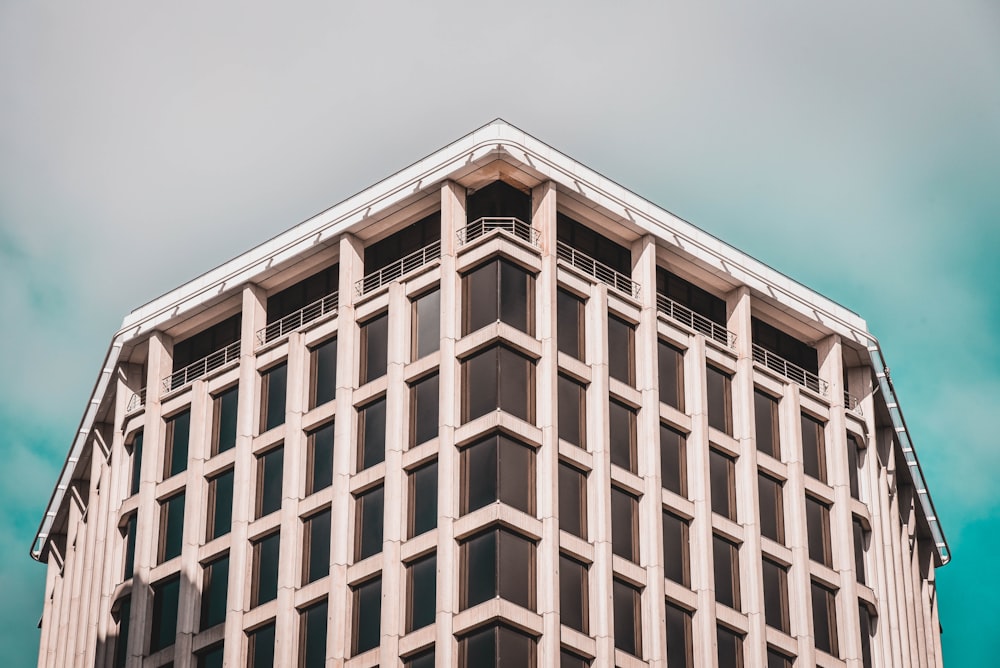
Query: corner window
{"x": 570, "y": 324}
{"x": 374, "y": 348}
{"x": 813, "y": 448}
{"x": 671, "y": 374}
{"x": 572, "y": 407}
{"x": 574, "y": 601}
{"x": 319, "y": 458}
{"x": 572, "y": 500}
{"x": 424, "y": 410}
{"x": 776, "y": 659}
{"x": 316, "y": 547}
{"x": 367, "y": 625}
{"x": 765, "y": 413}
{"x": 673, "y": 460}
{"x": 224, "y": 407}
{"x": 423, "y": 488}
{"x": 163, "y": 627}
{"x": 312, "y": 636}
{"x": 498, "y": 377}
{"x": 421, "y": 592}
{"x": 370, "y": 510}
{"x": 215, "y": 584}
{"x": 622, "y": 427}
{"x": 624, "y": 524}
{"x": 727, "y": 572}
{"x": 722, "y": 470}
{"x": 264, "y": 580}
{"x": 498, "y": 469}
{"x": 426, "y": 318}
{"x": 621, "y": 350}
{"x": 628, "y": 621}
{"x": 175, "y": 452}
{"x": 270, "y": 469}
{"x": 498, "y": 563}
{"x": 497, "y": 646}
{"x": 323, "y": 373}
{"x": 371, "y": 436}
{"x": 720, "y": 406}
{"x": 171, "y": 527}
{"x": 220, "y": 505}
{"x": 676, "y": 549}
{"x": 273, "y": 387}
{"x": 498, "y": 290}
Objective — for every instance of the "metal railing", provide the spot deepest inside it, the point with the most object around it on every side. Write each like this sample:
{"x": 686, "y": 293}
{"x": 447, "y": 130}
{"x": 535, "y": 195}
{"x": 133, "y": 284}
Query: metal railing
{"x": 695, "y": 321}
{"x": 598, "y": 270}
{"x": 298, "y": 319}
{"x": 202, "y": 367}
{"x": 791, "y": 371}
{"x": 852, "y": 403}
{"x": 512, "y": 226}
{"x": 398, "y": 269}
{"x": 136, "y": 401}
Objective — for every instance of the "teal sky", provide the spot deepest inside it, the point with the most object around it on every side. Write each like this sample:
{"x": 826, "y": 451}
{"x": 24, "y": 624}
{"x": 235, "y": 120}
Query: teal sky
{"x": 853, "y": 146}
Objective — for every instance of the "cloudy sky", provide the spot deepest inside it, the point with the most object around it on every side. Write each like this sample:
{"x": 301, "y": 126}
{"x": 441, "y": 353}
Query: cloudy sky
{"x": 854, "y": 146}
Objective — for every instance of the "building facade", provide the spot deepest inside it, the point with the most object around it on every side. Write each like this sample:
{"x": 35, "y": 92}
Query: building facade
{"x": 494, "y": 410}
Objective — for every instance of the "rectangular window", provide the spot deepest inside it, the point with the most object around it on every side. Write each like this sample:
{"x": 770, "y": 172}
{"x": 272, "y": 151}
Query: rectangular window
{"x": 296, "y": 298}
{"x": 367, "y": 616}
{"x": 621, "y": 350}
{"x": 572, "y": 411}
{"x": 622, "y": 428}
{"x": 121, "y": 618}
{"x": 727, "y": 572}
{"x": 628, "y": 624}
{"x": 624, "y": 524}
{"x": 136, "y": 455}
{"x": 498, "y": 563}
{"x": 261, "y": 646}
{"x": 498, "y": 377}
{"x": 422, "y": 660}
{"x": 312, "y": 636}
{"x": 130, "y": 529}
{"x": 498, "y": 468}
{"x": 421, "y": 592}
{"x": 671, "y": 374}
{"x": 424, "y": 410}
{"x": 370, "y": 510}
{"x": 498, "y": 291}
{"x": 765, "y": 414}
{"x": 722, "y": 470}
{"x": 572, "y": 500}
{"x": 854, "y": 459}
{"x": 676, "y": 549}
{"x": 215, "y": 584}
{"x": 265, "y": 570}
{"x": 860, "y": 547}
{"x": 818, "y": 525}
{"x": 673, "y": 460}
{"x": 316, "y": 548}
{"x": 680, "y": 641}
{"x": 374, "y": 348}
{"x": 163, "y": 628}
{"x": 175, "y": 453}
{"x": 171, "y": 527}
{"x": 224, "y": 407}
{"x": 319, "y": 458}
{"x": 730, "y": 647}
{"x": 569, "y": 325}
{"x": 569, "y": 659}
{"x": 323, "y": 373}
{"x": 824, "y": 603}
{"x": 220, "y": 505}
{"x": 574, "y": 604}
{"x": 211, "y": 657}
{"x": 371, "y": 436}
{"x": 426, "y": 318}
{"x": 720, "y": 402}
{"x": 273, "y": 388}
{"x": 496, "y": 646}
{"x": 772, "y": 508}
{"x": 423, "y": 484}
{"x": 867, "y": 622}
{"x": 776, "y": 595}
{"x": 270, "y": 469}
{"x": 813, "y": 448}
{"x": 776, "y": 659}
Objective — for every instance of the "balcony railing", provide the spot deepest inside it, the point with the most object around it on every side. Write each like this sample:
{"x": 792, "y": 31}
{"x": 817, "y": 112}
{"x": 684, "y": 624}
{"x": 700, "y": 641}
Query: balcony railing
{"x": 852, "y": 403}
{"x": 695, "y": 321}
{"x": 512, "y": 226}
{"x": 597, "y": 270}
{"x": 136, "y": 401}
{"x": 298, "y": 319}
{"x": 202, "y": 367}
{"x": 791, "y": 371}
{"x": 398, "y": 269}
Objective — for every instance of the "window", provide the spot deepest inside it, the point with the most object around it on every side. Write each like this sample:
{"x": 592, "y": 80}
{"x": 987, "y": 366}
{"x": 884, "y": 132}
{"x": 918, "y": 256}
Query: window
{"x": 323, "y": 373}
{"x": 772, "y": 512}
{"x": 422, "y": 660}
{"x": 824, "y": 603}
{"x": 498, "y": 563}
{"x": 680, "y": 643}
{"x": 171, "y": 527}
{"x": 785, "y": 346}
{"x": 163, "y": 628}
{"x": 273, "y": 387}
{"x": 673, "y": 460}
{"x": 720, "y": 408}
{"x": 421, "y": 589}
{"x": 121, "y": 617}
{"x": 569, "y": 659}
{"x": 813, "y": 448}
{"x": 482, "y": 648}
{"x": 423, "y": 499}
{"x": 498, "y": 469}
{"x": 574, "y": 606}
{"x": 215, "y": 584}
{"x": 628, "y": 624}
{"x": 727, "y": 572}
{"x": 424, "y": 410}
{"x": 730, "y": 647}
{"x": 398, "y": 245}
{"x": 367, "y": 616}
{"x": 136, "y": 454}
{"x": 497, "y": 200}
{"x": 569, "y": 324}
{"x": 596, "y": 245}
{"x": 316, "y": 550}
{"x": 691, "y": 296}
{"x": 371, "y": 436}
{"x": 776, "y": 595}
{"x": 261, "y": 647}
{"x": 572, "y": 411}
{"x": 498, "y": 290}
{"x": 312, "y": 636}
{"x": 370, "y": 508}
{"x": 860, "y": 547}
{"x": 624, "y": 524}
{"x": 220, "y": 505}
{"x": 765, "y": 413}
{"x": 374, "y": 348}
{"x": 671, "y": 374}
{"x": 867, "y": 622}
{"x": 211, "y": 657}
{"x": 224, "y": 407}
{"x": 270, "y": 468}
{"x": 498, "y": 377}
{"x": 265, "y": 570}
{"x": 621, "y": 420}
{"x": 426, "y": 318}
{"x": 175, "y": 453}
{"x": 572, "y": 500}
{"x": 621, "y": 350}
{"x": 854, "y": 459}
{"x": 818, "y": 525}
{"x": 776, "y": 659}
{"x": 676, "y": 549}
{"x": 722, "y": 470}
{"x": 129, "y": 529}
{"x": 200, "y": 346}
{"x": 306, "y": 292}
{"x": 319, "y": 458}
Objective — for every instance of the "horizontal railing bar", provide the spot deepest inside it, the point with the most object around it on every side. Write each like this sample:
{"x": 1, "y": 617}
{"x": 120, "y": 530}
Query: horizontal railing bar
{"x": 398, "y": 268}
{"x": 696, "y": 321}
{"x": 296, "y": 320}
{"x": 597, "y": 270}
{"x": 512, "y": 226}
{"x": 789, "y": 370}
{"x": 202, "y": 367}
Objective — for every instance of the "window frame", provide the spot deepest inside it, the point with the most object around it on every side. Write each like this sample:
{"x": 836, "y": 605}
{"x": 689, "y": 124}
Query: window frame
{"x": 629, "y": 349}
{"x": 309, "y": 555}
{"x": 366, "y": 365}
{"x": 415, "y": 320}
{"x": 212, "y": 505}
{"x": 416, "y": 410}
{"x": 499, "y": 441}
{"x": 784, "y": 617}
{"x": 312, "y": 484}
{"x": 363, "y": 444}
{"x": 733, "y": 571}
{"x": 211, "y": 579}
{"x": 617, "y": 587}
{"x": 683, "y": 551}
{"x": 360, "y": 530}
{"x": 497, "y": 262}
{"x": 564, "y": 384}
{"x": 581, "y": 498}
{"x": 773, "y": 448}
{"x": 218, "y": 406}
{"x": 563, "y": 297}
{"x": 662, "y": 346}
{"x": 726, "y": 417}
{"x": 528, "y": 389}
{"x": 170, "y": 450}
{"x": 265, "y": 423}
{"x": 819, "y": 542}
{"x": 164, "y": 552}
{"x": 717, "y": 458}
{"x": 581, "y": 580}
{"x": 411, "y": 588}
{"x": 779, "y": 505}
{"x": 616, "y": 541}
{"x": 357, "y": 592}
{"x": 258, "y": 555}
{"x": 315, "y": 353}
{"x": 269, "y": 465}
{"x": 529, "y": 598}
{"x": 412, "y": 484}
{"x": 631, "y": 436}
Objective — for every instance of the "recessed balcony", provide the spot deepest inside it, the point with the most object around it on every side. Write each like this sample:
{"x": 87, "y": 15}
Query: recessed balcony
{"x": 786, "y": 369}
{"x": 325, "y": 306}
{"x": 398, "y": 269}
{"x": 514, "y": 227}
{"x": 199, "y": 368}
{"x": 699, "y": 323}
{"x": 597, "y": 270}
{"x": 136, "y": 401}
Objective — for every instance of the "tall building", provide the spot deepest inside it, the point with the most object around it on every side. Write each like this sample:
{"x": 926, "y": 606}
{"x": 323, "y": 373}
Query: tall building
{"x": 495, "y": 410}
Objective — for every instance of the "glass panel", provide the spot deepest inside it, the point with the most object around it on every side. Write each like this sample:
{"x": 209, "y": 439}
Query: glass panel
{"x": 516, "y": 570}
{"x": 262, "y": 647}
{"x": 136, "y": 462}
{"x": 628, "y": 627}
{"x": 313, "y": 645}
{"x": 671, "y": 374}
{"x": 370, "y": 517}
{"x": 426, "y": 324}
{"x": 176, "y": 451}
{"x": 680, "y": 649}
{"x": 727, "y": 572}
{"x": 570, "y": 660}
{"x": 172, "y": 532}
{"x": 572, "y": 411}
{"x": 275, "y": 383}
{"x": 374, "y": 348}
{"x": 775, "y": 596}
{"x": 480, "y": 467}
{"x": 867, "y": 633}
{"x": 765, "y": 411}
{"x": 480, "y": 567}
{"x": 407, "y": 240}
{"x": 772, "y": 514}
{"x": 372, "y": 425}
{"x": 422, "y": 599}
{"x": 480, "y": 376}
{"x": 317, "y": 552}
{"x": 622, "y": 429}
{"x": 130, "y": 529}
{"x": 424, "y": 418}
{"x": 514, "y": 649}
{"x": 211, "y": 657}
{"x": 320, "y": 470}
{"x": 621, "y": 345}
{"x": 624, "y": 524}
{"x": 266, "y": 569}
{"x": 854, "y": 465}
{"x": 164, "y": 622}
{"x": 730, "y": 647}
{"x": 572, "y": 501}
{"x": 818, "y": 524}
{"x": 213, "y": 596}
{"x": 423, "y": 499}
{"x": 225, "y": 420}
{"x": 722, "y": 471}
{"x": 303, "y": 293}
{"x": 271, "y": 466}
{"x": 220, "y": 491}
{"x": 673, "y": 462}
{"x": 676, "y": 549}
{"x": 481, "y": 288}
{"x": 516, "y": 303}
{"x": 206, "y": 342}
{"x": 422, "y": 660}
{"x": 860, "y": 547}
{"x": 569, "y": 325}
{"x": 719, "y": 400}
{"x": 813, "y": 451}
{"x": 573, "y": 599}
{"x": 517, "y": 385}
{"x": 517, "y": 474}
{"x": 479, "y": 649}
{"x": 776, "y": 659}
{"x": 824, "y": 605}
{"x": 367, "y": 616}
{"x": 121, "y": 642}
{"x": 324, "y": 368}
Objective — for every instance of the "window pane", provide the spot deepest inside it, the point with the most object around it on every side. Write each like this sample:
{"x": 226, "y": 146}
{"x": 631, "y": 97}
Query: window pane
{"x": 265, "y": 569}
{"x": 426, "y": 324}
{"x": 818, "y": 525}
{"x": 367, "y": 616}
{"x": 479, "y": 561}
{"x": 517, "y": 474}
{"x": 481, "y": 291}
{"x": 765, "y": 411}
{"x": 498, "y": 469}
{"x": 730, "y": 647}
{"x": 813, "y": 451}
{"x": 727, "y": 572}
{"x": 860, "y": 547}
{"x": 274, "y": 386}
{"x": 854, "y": 465}
{"x": 516, "y": 292}
{"x": 572, "y": 411}
{"x": 374, "y": 348}
{"x": 772, "y": 514}
{"x": 719, "y": 400}
{"x": 262, "y": 647}
{"x": 571, "y": 660}
{"x": 517, "y": 385}
{"x": 136, "y": 462}
{"x": 372, "y": 438}
{"x": 424, "y": 407}
{"x": 673, "y": 462}
{"x": 211, "y": 657}
{"x": 680, "y": 647}
{"x": 480, "y": 378}
{"x": 621, "y": 345}
{"x": 671, "y": 374}
{"x": 225, "y": 405}
{"x": 121, "y": 642}
{"x": 479, "y": 649}
{"x": 867, "y": 623}
{"x": 572, "y": 501}
{"x": 824, "y": 603}
{"x": 172, "y": 527}
{"x": 516, "y": 570}
{"x": 313, "y": 644}
{"x": 573, "y": 599}
{"x": 130, "y": 529}
{"x": 317, "y": 547}
{"x": 270, "y": 469}
{"x": 676, "y": 549}
{"x": 324, "y": 370}
{"x": 480, "y": 467}
{"x": 423, "y": 499}
{"x": 369, "y": 522}
{"x": 569, "y": 326}
{"x": 176, "y": 450}
{"x": 320, "y": 456}
{"x": 624, "y": 524}
{"x": 164, "y": 622}
{"x": 422, "y": 660}
{"x": 213, "y": 593}
{"x": 622, "y": 429}
{"x": 628, "y": 637}
{"x": 722, "y": 470}
{"x": 421, "y": 602}
{"x": 775, "y": 595}
{"x": 220, "y": 494}
{"x": 776, "y": 659}
{"x": 514, "y": 649}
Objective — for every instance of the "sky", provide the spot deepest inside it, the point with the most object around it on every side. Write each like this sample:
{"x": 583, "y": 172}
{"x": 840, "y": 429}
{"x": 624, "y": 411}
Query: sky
{"x": 854, "y": 146}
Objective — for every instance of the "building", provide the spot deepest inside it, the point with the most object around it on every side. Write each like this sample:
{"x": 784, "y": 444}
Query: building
{"x": 493, "y": 406}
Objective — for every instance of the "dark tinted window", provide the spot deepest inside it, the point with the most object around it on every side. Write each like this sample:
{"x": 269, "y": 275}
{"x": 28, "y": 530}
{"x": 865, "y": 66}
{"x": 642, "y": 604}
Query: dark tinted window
{"x": 498, "y": 200}
{"x": 496, "y": 647}
{"x": 498, "y": 469}
{"x": 680, "y": 645}
{"x": 426, "y": 324}
{"x": 572, "y": 500}
{"x": 130, "y": 529}
{"x": 776, "y": 595}
{"x": 367, "y": 616}
{"x": 323, "y": 365}
{"x": 273, "y": 389}
{"x": 424, "y": 410}
{"x": 574, "y": 604}
{"x": 824, "y": 604}
{"x": 628, "y": 625}
{"x": 498, "y": 563}
{"x": 211, "y": 657}
{"x": 423, "y": 499}
{"x": 316, "y": 550}
{"x": 171, "y": 527}
{"x": 676, "y": 549}
{"x": 374, "y": 347}
{"x": 224, "y": 420}
{"x": 421, "y": 601}
{"x": 784, "y": 345}
{"x": 136, "y": 455}
{"x": 213, "y": 592}
{"x": 671, "y": 374}
{"x": 570, "y": 327}
{"x": 206, "y": 342}
{"x": 624, "y": 524}
{"x": 319, "y": 464}
{"x": 730, "y": 647}
{"x": 370, "y": 512}
{"x": 163, "y": 627}
{"x": 175, "y": 454}
{"x": 818, "y": 524}
{"x": 813, "y": 448}
{"x": 772, "y": 513}
{"x": 727, "y": 572}
{"x": 261, "y": 647}
{"x": 723, "y": 473}
{"x": 776, "y": 659}
{"x": 596, "y": 245}
{"x": 121, "y": 642}
{"x": 867, "y": 623}
{"x": 312, "y": 643}
{"x": 265, "y": 573}
{"x": 371, "y": 424}
{"x": 860, "y": 547}
{"x": 690, "y": 295}
{"x": 854, "y": 459}
{"x": 422, "y": 660}
{"x": 398, "y": 245}
{"x": 719, "y": 400}
{"x": 571, "y": 660}
{"x": 498, "y": 377}
{"x": 623, "y": 435}
{"x": 499, "y": 291}
{"x": 765, "y": 413}
{"x": 621, "y": 350}
{"x": 270, "y": 469}
{"x": 572, "y": 411}
{"x": 302, "y": 294}
{"x": 673, "y": 461}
